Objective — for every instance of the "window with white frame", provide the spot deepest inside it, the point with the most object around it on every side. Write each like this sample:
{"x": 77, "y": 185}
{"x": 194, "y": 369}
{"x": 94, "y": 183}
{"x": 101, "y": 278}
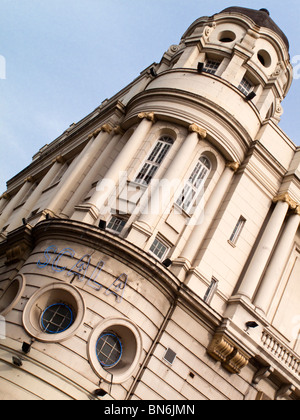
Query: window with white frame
{"x": 246, "y": 86}
{"x": 211, "y": 66}
{"x": 116, "y": 224}
{"x": 154, "y": 160}
{"x": 194, "y": 184}
{"x": 159, "y": 249}
{"x": 237, "y": 231}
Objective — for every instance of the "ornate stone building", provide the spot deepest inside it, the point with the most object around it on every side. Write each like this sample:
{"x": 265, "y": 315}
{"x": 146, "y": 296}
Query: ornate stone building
{"x": 152, "y": 250}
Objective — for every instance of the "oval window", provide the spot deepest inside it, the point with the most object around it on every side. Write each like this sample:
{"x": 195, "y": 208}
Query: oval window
{"x": 264, "y": 58}
{"x": 227, "y": 36}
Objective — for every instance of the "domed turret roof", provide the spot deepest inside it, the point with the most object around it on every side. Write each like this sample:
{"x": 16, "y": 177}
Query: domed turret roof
{"x": 260, "y": 17}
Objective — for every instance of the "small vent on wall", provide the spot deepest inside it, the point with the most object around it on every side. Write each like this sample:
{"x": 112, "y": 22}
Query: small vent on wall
{"x": 170, "y": 356}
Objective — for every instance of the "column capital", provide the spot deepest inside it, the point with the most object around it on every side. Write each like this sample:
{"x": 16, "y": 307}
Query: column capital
{"x": 297, "y": 210}
{"x": 107, "y": 128}
{"x": 59, "y": 159}
{"x": 194, "y": 128}
{"x": 5, "y": 196}
{"x": 148, "y": 115}
{"x": 118, "y": 130}
{"x": 29, "y": 179}
{"x": 286, "y": 198}
{"x": 234, "y": 166}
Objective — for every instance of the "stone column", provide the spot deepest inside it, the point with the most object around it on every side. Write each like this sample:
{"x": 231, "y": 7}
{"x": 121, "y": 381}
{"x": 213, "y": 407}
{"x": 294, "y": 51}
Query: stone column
{"x": 3, "y": 201}
{"x": 74, "y": 173}
{"x": 172, "y": 178}
{"x": 199, "y": 232}
{"x": 36, "y": 194}
{"x": 83, "y": 187}
{"x": 106, "y": 186}
{"x": 279, "y": 260}
{"x": 15, "y": 201}
{"x": 265, "y": 246}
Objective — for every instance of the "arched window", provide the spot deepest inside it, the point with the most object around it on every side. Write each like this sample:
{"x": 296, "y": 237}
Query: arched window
{"x": 154, "y": 160}
{"x": 194, "y": 184}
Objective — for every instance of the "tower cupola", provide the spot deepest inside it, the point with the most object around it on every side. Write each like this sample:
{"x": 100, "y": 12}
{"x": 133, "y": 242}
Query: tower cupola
{"x": 239, "y": 56}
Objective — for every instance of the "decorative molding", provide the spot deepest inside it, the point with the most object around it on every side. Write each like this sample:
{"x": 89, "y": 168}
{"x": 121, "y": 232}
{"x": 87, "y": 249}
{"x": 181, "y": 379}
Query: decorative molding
{"x": 194, "y": 128}
{"x": 148, "y": 115}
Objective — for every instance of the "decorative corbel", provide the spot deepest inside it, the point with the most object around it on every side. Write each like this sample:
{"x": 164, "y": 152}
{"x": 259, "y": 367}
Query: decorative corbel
{"x": 285, "y": 391}
{"x": 232, "y": 357}
{"x": 262, "y": 373}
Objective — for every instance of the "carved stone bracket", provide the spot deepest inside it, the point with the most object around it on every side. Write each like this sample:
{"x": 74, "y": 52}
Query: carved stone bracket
{"x": 232, "y": 357}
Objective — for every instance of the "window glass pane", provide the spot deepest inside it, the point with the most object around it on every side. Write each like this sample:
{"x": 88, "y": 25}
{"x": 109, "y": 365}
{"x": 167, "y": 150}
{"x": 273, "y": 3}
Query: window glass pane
{"x": 154, "y": 160}
{"x": 238, "y": 230}
{"x": 192, "y": 188}
{"x": 109, "y": 350}
{"x": 211, "y": 66}
{"x": 116, "y": 224}
{"x": 56, "y": 318}
{"x": 158, "y": 249}
{"x": 245, "y": 86}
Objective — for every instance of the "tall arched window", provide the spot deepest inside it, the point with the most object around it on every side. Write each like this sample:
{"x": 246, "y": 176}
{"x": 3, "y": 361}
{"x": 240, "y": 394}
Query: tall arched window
{"x": 154, "y": 160}
{"x": 194, "y": 184}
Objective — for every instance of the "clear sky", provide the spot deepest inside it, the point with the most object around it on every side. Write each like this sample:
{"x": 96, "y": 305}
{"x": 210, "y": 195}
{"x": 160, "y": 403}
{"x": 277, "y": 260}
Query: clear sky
{"x": 59, "y": 59}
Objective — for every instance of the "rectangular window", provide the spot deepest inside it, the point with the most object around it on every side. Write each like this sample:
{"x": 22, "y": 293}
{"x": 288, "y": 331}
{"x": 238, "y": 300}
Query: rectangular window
{"x": 159, "y": 249}
{"x": 237, "y": 231}
{"x": 213, "y": 287}
{"x": 246, "y": 86}
{"x": 116, "y": 224}
{"x": 211, "y": 66}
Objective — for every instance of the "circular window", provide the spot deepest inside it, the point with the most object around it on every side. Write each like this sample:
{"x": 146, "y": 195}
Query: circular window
{"x": 109, "y": 350}
{"x": 54, "y": 313}
{"x": 115, "y": 349}
{"x": 227, "y": 36}
{"x": 264, "y": 58}
{"x": 12, "y": 295}
{"x": 57, "y": 318}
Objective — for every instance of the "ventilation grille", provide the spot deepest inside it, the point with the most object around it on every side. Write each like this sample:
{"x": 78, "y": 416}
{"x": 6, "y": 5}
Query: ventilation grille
{"x": 170, "y": 356}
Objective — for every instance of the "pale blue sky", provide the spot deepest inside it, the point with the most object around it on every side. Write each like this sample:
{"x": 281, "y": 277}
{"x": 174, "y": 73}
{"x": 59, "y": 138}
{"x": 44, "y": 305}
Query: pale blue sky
{"x": 64, "y": 57}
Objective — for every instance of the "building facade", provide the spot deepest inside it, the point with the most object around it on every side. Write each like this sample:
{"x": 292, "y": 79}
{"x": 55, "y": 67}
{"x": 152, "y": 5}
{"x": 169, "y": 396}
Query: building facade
{"x": 151, "y": 252}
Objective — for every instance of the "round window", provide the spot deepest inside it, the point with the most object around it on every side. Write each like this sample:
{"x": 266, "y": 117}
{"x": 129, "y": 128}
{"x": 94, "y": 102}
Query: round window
{"x": 109, "y": 350}
{"x": 54, "y": 313}
{"x": 115, "y": 349}
{"x": 12, "y": 294}
{"x": 57, "y": 318}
